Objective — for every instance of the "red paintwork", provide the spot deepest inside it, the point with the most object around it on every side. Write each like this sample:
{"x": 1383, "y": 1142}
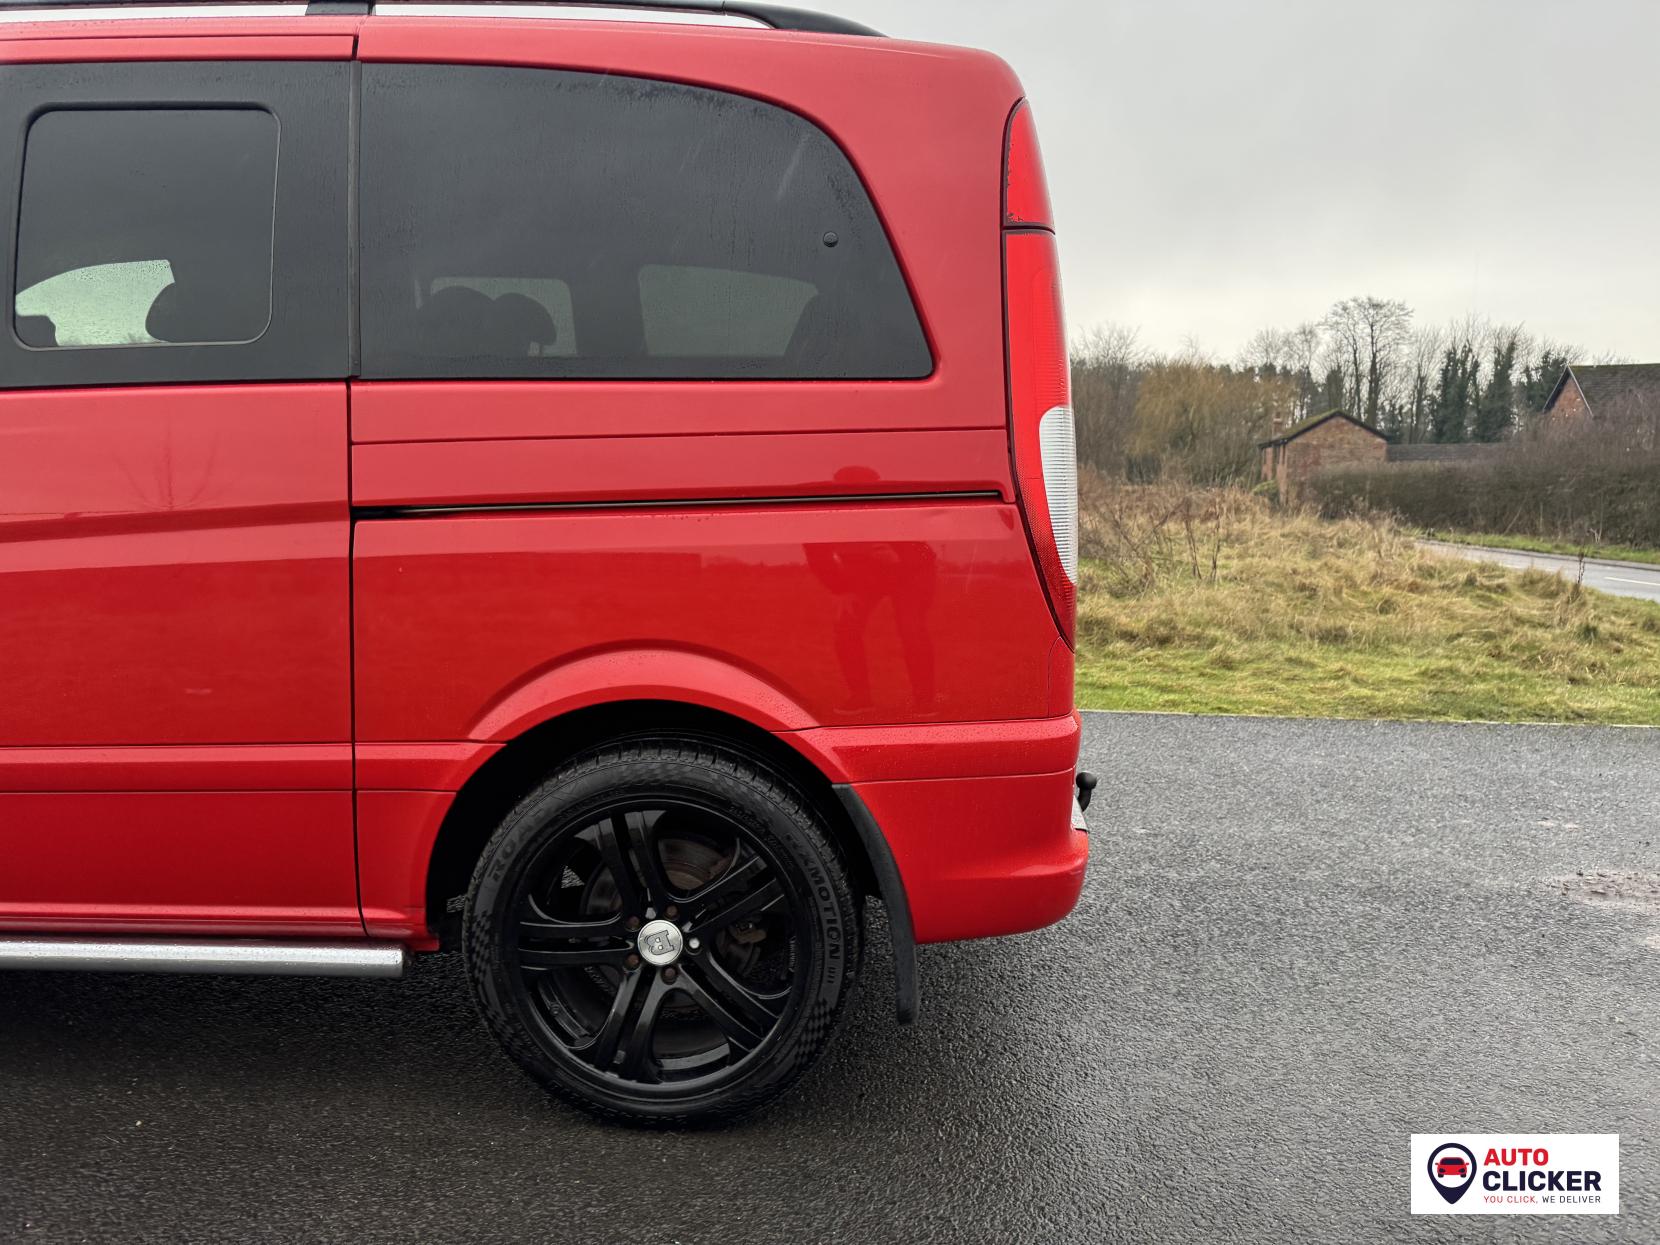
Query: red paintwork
{"x": 173, "y": 564}
{"x": 873, "y": 613}
{"x": 223, "y": 767}
{"x": 949, "y": 750}
{"x": 1062, "y": 669}
{"x": 942, "y": 849}
{"x": 401, "y": 410}
{"x": 200, "y": 862}
{"x": 665, "y": 468}
{"x": 983, "y": 856}
{"x": 421, "y": 767}
{"x": 177, "y": 752}
{"x": 395, "y": 834}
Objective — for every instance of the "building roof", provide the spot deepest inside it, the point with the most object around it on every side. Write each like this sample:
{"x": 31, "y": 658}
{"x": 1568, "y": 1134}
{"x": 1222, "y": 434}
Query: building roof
{"x": 1313, "y": 422}
{"x": 1612, "y": 385}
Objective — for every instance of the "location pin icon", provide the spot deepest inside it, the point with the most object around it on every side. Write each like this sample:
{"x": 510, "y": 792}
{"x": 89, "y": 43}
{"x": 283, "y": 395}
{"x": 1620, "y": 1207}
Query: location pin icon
{"x": 1452, "y": 1170}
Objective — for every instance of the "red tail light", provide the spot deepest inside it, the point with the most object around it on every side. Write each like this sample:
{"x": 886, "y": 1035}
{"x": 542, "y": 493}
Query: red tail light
{"x": 1026, "y": 193}
{"x": 1040, "y": 387}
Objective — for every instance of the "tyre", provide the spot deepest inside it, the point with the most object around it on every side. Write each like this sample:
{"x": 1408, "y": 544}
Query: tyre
{"x": 663, "y": 933}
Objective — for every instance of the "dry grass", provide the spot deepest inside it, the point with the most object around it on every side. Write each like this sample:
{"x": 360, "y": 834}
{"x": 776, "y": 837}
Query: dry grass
{"x": 1209, "y": 601}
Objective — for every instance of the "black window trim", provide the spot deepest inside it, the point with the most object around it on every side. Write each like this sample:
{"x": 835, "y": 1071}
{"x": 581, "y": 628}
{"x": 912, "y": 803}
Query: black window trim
{"x": 315, "y": 328}
{"x": 310, "y": 333}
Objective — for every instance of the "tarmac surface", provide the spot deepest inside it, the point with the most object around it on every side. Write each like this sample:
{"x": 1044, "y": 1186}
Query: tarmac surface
{"x": 1300, "y": 942}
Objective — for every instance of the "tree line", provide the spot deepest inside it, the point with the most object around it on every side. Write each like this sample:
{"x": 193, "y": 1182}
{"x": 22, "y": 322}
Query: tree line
{"x": 1141, "y": 414}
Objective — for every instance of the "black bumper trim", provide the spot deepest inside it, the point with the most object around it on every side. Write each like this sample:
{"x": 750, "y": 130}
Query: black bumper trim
{"x": 891, "y": 887}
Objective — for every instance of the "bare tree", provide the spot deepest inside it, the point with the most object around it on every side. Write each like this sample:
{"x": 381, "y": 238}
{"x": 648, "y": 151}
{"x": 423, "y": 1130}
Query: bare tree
{"x": 1424, "y": 361}
{"x": 1107, "y": 364}
{"x": 1368, "y": 336}
{"x": 1288, "y": 355}
{"x": 1304, "y": 343}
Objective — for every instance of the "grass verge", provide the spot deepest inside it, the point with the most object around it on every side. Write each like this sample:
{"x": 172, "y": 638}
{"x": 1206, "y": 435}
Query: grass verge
{"x": 1210, "y": 602}
{"x": 1538, "y": 544}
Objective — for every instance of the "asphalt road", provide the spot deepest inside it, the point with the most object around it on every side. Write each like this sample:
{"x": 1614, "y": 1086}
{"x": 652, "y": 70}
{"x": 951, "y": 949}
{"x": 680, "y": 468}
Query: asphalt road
{"x": 1623, "y": 579}
{"x": 1300, "y": 942}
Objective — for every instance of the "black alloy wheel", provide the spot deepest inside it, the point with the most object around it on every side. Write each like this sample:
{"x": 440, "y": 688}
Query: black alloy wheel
{"x": 663, "y": 932}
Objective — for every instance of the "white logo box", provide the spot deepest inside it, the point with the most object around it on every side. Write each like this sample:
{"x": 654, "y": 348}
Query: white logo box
{"x": 1546, "y": 1174}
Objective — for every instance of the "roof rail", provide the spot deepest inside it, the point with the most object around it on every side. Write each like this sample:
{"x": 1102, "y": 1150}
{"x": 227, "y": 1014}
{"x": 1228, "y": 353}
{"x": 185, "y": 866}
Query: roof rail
{"x": 775, "y": 15}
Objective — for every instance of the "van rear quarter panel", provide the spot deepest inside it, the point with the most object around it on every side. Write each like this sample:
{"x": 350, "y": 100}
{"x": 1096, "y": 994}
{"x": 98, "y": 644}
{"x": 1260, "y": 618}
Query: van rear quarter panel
{"x": 863, "y": 611}
{"x": 827, "y": 560}
{"x": 800, "y": 616}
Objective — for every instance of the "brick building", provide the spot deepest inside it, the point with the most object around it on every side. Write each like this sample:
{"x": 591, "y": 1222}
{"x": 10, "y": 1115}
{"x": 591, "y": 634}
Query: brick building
{"x": 1335, "y": 439}
{"x": 1624, "y": 398}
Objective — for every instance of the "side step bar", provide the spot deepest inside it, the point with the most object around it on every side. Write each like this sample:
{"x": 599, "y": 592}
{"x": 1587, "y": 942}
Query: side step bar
{"x": 270, "y": 958}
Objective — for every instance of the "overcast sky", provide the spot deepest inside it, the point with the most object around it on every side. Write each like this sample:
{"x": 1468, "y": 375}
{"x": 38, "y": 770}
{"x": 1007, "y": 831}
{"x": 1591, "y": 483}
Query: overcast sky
{"x": 1221, "y": 165}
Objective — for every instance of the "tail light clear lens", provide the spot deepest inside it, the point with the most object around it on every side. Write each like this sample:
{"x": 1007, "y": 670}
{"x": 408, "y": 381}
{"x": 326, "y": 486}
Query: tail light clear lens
{"x": 1058, "y": 448}
{"x": 1040, "y": 399}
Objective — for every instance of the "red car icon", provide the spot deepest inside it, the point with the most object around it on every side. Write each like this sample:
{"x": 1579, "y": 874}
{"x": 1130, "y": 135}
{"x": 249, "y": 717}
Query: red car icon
{"x": 1452, "y": 1165}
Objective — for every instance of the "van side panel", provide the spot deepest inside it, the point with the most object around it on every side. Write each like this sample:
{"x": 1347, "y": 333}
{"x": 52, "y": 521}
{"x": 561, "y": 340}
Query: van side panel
{"x": 735, "y": 467}
{"x": 855, "y": 613}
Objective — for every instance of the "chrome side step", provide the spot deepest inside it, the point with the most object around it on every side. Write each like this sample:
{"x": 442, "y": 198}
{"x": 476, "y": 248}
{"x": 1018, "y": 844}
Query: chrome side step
{"x": 262, "y": 957}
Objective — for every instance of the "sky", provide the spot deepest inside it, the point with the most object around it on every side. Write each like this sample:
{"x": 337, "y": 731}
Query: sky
{"x": 1218, "y": 166}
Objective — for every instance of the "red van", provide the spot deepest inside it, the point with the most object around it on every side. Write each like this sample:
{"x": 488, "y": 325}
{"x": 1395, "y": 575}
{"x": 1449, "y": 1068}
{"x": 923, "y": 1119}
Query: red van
{"x": 597, "y": 493}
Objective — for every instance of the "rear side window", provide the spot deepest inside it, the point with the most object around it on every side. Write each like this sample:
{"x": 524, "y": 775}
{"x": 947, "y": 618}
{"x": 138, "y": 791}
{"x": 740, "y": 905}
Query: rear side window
{"x": 175, "y": 222}
{"x": 525, "y": 223}
{"x": 718, "y": 313}
{"x": 146, "y": 227}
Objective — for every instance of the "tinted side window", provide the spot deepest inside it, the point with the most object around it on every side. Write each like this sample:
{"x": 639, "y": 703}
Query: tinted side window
{"x": 717, "y": 312}
{"x": 146, "y": 227}
{"x": 175, "y": 222}
{"x": 540, "y": 223}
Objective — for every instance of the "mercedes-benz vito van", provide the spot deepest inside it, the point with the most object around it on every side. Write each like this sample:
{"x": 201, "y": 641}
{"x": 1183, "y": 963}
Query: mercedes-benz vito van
{"x": 591, "y": 487}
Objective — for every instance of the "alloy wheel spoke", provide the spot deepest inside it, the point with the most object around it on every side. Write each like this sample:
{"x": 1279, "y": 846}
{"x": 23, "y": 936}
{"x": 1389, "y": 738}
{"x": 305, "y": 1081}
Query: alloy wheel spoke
{"x": 759, "y": 1009}
{"x": 725, "y": 889}
{"x": 613, "y": 849}
{"x": 602, "y": 1050}
{"x": 549, "y": 931}
{"x": 741, "y": 1034}
{"x": 544, "y": 926}
{"x": 538, "y": 958}
{"x": 760, "y": 900}
{"x": 638, "y": 1034}
{"x": 652, "y": 874}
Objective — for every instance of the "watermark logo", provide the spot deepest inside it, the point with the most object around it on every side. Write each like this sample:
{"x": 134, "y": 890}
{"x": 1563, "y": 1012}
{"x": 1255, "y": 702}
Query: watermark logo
{"x": 1516, "y": 1174}
{"x": 1452, "y": 1170}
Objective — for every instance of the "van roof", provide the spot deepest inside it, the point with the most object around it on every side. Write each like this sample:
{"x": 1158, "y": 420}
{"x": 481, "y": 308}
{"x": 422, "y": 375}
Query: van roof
{"x": 778, "y": 17}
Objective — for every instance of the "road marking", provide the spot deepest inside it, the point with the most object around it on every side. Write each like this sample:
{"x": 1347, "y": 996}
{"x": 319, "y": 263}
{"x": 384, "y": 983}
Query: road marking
{"x": 1646, "y": 583}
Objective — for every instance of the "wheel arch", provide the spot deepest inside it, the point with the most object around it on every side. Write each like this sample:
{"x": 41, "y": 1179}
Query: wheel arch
{"x": 527, "y": 758}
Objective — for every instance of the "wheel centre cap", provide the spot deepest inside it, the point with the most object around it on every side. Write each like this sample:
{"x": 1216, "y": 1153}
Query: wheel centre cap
{"x": 660, "y": 942}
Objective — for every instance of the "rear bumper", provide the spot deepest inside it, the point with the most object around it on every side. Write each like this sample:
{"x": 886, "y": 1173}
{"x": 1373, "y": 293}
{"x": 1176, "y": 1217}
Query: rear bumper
{"x": 983, "y": 841}
{"x": 982, "y": 856}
